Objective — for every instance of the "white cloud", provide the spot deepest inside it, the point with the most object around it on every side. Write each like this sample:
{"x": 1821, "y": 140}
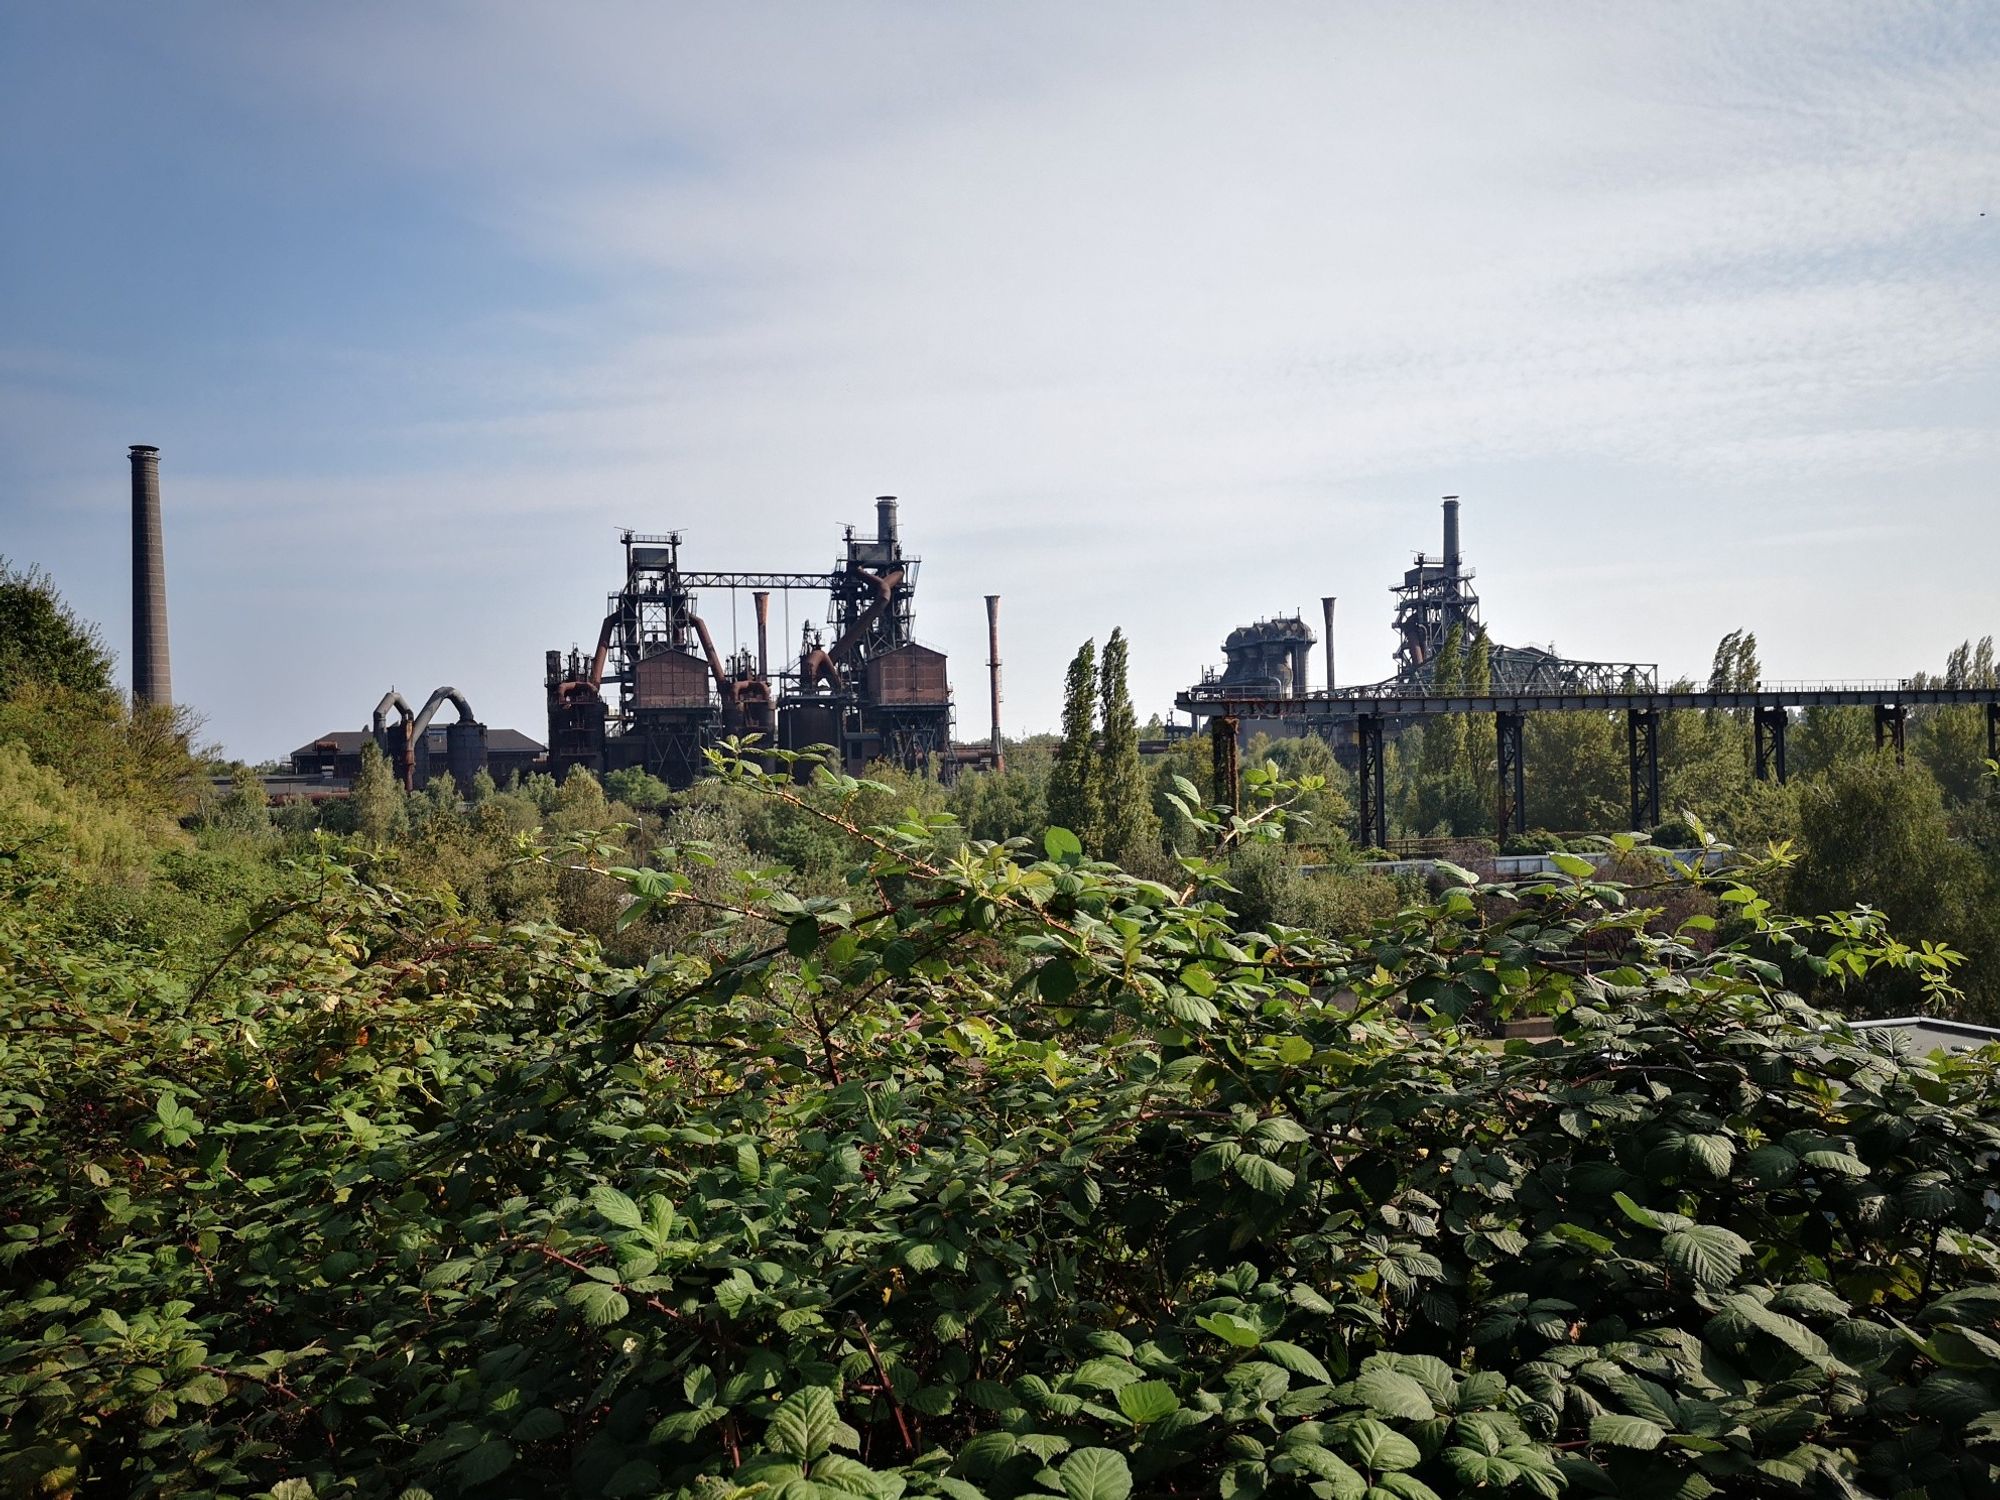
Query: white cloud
{"x": 1175, "y": 315}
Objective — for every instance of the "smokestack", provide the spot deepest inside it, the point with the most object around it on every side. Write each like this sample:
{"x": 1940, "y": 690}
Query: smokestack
{"x": 762, "y": 599}
{"x": 1451, "y": 534}
{"x": 1327, "y": 604}
{"x": 885, "y": 518}
{"x": 152, "y": 677}
{"x": 993, "y": 667}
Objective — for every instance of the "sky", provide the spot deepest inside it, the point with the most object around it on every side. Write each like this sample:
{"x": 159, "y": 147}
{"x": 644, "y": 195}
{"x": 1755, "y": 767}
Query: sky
{"x": 1163, "y": 316}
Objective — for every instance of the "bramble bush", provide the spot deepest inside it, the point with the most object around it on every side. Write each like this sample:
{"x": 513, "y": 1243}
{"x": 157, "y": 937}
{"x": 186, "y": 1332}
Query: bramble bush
{"x": 994, "y": 1172}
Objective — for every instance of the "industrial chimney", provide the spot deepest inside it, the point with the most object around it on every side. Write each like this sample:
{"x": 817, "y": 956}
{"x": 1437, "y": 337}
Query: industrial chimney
{"x": 993, "y": 668}
{"x": 1451, "y": 535}
{"x": 885, "y": 519}
{"x": 1327, "y": 604}
{"x": 152, "y": 678}
{"x": 762, "y": 599}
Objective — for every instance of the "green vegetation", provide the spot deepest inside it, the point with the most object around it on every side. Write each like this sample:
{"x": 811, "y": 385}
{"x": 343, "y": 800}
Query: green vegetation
{"x": 787, "y": 1140}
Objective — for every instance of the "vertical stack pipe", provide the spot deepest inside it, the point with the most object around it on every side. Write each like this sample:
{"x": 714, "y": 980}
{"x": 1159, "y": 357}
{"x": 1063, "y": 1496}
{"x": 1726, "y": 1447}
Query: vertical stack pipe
{"x": 885, "y": 519}
{"x": 152, "y": 676}
{"x": 1327, "y": 604}
{"x": 1451, "y": 536}
{"x": 993, "y": 670}
{"x": 762, "y": 599}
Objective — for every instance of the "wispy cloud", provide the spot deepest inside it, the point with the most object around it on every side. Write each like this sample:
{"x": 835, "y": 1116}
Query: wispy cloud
{"x": 1162, "y": 316}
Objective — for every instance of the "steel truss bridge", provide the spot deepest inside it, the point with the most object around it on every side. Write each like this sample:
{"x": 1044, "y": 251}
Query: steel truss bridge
{"x": 1364, "y": 716}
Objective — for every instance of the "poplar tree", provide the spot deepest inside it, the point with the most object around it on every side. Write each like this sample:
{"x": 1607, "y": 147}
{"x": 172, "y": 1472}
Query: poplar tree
{"x": 380, "y": 812}
{"x": 1130, "y": 831}
{"x": 1075, "y": 784}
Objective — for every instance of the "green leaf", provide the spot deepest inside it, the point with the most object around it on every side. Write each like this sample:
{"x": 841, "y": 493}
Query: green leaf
{"x": 807, "y": 1423}
{"x": 601, "y": 1305}
{"x": 1573, "y": 865}
{"x": 802, "y": 937}
{"x": 1391, "y": 1393}
{"x": 489, "y": 1460}
{"x": 1298, "y": 1361}
{"x": 1341, "y": 1480}
{"x": 615, "y": 1206}
{"x": 1060, "y": 845}
{"x": 1147, "y": 1401}
{"x": 1381, "y": 1447}
{"x": 1232, "y": 1329}
{"x": 292, "y": 1489}
{"x": 1712, "y": 1153}
{"x": 1635, "y": 1212}
{"x": 1095, "y": 1474}
{"x": 1707, "y": 1253}
{"x": 1616, "y": 1431}
{"x": 1262, "y": 1175}
{"x": 1056, "y": 980}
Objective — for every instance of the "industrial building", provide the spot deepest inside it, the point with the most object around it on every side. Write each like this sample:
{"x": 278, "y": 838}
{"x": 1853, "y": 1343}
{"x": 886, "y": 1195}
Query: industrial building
{"x": 1270, "y": 659}
{"x": 336, "y": 755}
{"x": 857, "y": 680}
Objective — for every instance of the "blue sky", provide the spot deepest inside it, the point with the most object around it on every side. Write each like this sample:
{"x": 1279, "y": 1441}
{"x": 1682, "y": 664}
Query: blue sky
{"x": 1168, "y": 316}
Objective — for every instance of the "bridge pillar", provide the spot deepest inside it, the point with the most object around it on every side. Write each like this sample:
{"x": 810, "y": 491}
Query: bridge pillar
{"x": 1890, "y": 719}
{"x": 1373, "y": 812}
{"x": 1993, "y": 731}
{"x": 1222, "y": 731}
{"x": 1513, "y": 809}
{"x": 1642, "y": 755}
{"x": 1771, "y": 724}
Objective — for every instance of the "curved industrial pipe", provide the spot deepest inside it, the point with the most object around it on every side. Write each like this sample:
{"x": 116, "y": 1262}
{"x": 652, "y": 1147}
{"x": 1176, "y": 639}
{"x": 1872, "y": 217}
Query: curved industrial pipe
{"x": 714, "y": 657}
{"x": 885, "y": 592}
{"x": 437, "y": 701}
{"x": 816, "y": 665}
{"x": 391, "y": 699}
{"x": 603, "y": 650}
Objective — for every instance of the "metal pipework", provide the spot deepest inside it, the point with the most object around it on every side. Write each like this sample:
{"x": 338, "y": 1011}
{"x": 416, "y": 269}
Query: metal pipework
{"x": 1327, "y": 604}
{"x": 761, "y": 598}
{"x": 885, "y": 519}
{"x": 993, "y": 668}
{"x": 152, "y": 673}
{"x": 1451, "y": 558}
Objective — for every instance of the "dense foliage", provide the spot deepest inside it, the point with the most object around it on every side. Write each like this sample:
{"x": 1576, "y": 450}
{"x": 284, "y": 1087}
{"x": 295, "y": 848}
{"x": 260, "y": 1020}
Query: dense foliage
{"x": 991, "y": 1171}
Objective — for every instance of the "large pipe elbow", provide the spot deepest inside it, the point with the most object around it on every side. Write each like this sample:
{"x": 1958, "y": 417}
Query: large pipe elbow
{"x": 391, "y": 699}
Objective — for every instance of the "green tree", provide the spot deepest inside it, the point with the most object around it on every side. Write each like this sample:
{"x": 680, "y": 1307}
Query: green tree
{"x": 1129, "y": 832}
{"x": 1951, "y": 742}
{"x": 638, "y": 789}
{"x": 1076, "y": 795}
{"x": 1574, "y": 767}
{"x": 1872, "y": 834}
{"x": 379, "y": 804}
{"x": 43, "y": 641}
{"x": 243, "y": 808}
{"x": 1822, "y": 737}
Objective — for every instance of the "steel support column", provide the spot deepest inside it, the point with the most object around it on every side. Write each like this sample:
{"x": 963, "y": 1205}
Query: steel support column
{"x": 1993, "y": 731}
{"x": 1513, "y": 809}
{"x": 1374, "y": 803}
{"x": 1222, "y": 731}
{"x": 1890, "y": 721}
{"x": 1771, "y": 724}
{"x": 1642, "y": 755}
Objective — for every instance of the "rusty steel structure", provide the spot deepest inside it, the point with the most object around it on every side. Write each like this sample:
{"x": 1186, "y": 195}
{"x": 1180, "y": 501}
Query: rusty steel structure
{"x": 1435, "y": 599}
{"x": 861, "y": 682}
{"x": 406, "y": 740}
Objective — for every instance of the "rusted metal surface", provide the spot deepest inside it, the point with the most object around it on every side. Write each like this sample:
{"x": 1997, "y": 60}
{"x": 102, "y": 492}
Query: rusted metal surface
{"x": 907, "y": 674}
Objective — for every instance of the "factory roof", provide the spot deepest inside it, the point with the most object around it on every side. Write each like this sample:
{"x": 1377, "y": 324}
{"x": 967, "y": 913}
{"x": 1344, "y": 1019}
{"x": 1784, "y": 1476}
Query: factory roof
{"x": 350, "y": 741}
